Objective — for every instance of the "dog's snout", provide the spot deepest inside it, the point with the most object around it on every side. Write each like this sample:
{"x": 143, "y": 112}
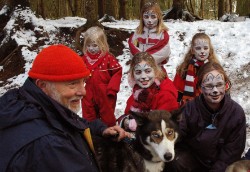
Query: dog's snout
{"x": 168, "y": 156}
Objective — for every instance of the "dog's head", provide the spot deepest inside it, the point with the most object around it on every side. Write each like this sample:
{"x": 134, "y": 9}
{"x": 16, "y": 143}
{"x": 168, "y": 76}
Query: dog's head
{"x": 157, "y": 130}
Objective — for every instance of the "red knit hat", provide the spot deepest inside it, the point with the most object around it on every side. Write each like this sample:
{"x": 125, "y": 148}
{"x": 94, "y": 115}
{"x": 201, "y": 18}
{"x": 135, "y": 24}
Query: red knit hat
{"x": 58, "y": 63}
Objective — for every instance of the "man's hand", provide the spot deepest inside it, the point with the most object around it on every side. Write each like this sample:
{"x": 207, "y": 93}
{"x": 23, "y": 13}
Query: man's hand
{"x": 117, "y": 132}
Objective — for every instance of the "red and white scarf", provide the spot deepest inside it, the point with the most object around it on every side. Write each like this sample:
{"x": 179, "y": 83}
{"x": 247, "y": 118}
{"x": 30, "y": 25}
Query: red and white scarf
{"x": 190, "y": 90}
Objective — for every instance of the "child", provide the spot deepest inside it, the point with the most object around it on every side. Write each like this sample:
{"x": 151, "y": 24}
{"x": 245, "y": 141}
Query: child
{"x": 213, "y": 126}
{"x": 104, "y": 83}
{"x": 152, "y": 89}
{"x": 151, "y": 35}
{"x": 185, "y": 80}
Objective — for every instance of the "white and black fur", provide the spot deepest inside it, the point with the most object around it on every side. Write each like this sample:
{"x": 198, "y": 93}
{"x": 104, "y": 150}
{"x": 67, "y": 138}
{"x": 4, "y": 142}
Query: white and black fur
{"x": 156, "y": 135}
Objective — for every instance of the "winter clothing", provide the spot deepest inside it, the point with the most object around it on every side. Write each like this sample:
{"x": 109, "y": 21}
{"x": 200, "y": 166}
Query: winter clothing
{"x": 247, "y": 155}
{"x": 156, "y": 97}
{"x": 149, "y": 41}
{"x": 39, "y": 134}
{"x": 215, "y": 139}
{"x": 162, "y": 97}
{"x": 58, "y": 63}
{"x": 186, "y": 87}
{"x": 101, "y": 88}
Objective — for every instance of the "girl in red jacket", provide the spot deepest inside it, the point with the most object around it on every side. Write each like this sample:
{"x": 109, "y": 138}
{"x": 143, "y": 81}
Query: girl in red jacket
{"x": 185, "y": 80}
{"x": 151, "y": 89}
{"x": 151, "y": 35}
{"x": 104, "y": 83}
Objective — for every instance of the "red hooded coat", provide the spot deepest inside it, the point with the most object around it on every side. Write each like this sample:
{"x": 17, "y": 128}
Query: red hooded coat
{"x": 101, "y": 89}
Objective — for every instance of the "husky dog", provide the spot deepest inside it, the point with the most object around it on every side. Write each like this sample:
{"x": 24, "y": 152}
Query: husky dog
{"x": 239, "y": 166}
{"x": 155, "y": 137}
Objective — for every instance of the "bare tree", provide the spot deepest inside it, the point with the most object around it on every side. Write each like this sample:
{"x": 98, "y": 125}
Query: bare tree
{"x": 202, "y": 9}
{"x": 122, "y": 11}
{"x": 220, "y": 8}
{"x": 101, "y": 8}
{"x": 92, "y": 20}
{"x": 179, "y": 12}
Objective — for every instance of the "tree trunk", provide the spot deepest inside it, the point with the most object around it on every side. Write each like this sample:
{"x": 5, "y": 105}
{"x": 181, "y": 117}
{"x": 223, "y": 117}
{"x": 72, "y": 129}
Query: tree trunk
{"x": 122, "y": 11}
{"x": 220, "y": 8}
{"x": 142, "y": 2}
{"x": 243, "y": 8}
{"x": 92, "y": 20}
{"x": 111, "y": 8}
{"x": 101, "y": 8}
{"x": 202, "y": 9}
{"x": 178, "y": 12}
{"x": 191, "y": 6}
{"x": 215, "y": 9}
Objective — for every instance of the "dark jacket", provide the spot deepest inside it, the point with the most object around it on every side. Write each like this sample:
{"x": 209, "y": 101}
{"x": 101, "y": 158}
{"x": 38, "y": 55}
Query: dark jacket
{"x": 39, "y": 134}
{"x": 222, "y": 145}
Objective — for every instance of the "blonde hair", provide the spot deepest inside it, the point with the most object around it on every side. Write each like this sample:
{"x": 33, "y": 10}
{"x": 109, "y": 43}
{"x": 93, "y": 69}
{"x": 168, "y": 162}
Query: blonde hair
{"x": 155, "y": 8}
{"x": 145, "y": 56}
{"x": 182, "y": 68}
{"x": 97, "y": 35}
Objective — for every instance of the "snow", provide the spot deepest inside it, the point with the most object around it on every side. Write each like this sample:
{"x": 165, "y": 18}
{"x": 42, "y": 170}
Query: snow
{"x": 231, "y": 41}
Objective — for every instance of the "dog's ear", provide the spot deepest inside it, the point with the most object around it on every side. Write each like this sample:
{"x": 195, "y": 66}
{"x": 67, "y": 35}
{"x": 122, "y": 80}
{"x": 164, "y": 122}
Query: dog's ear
{"x": 140, "y": 118}
{"x": 177, "y": 114}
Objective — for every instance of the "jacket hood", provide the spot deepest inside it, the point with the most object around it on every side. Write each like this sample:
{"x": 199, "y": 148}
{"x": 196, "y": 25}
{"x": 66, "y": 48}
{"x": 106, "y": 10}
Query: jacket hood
{"x": 15, "y": 109}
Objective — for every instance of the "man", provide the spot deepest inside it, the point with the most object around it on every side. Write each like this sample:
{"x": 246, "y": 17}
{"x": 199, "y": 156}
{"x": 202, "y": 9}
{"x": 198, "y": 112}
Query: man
{"x": 39, "y": 127}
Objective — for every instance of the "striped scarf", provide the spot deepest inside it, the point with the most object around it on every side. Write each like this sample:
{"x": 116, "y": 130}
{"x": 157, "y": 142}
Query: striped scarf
{"x": 190, "y": 90}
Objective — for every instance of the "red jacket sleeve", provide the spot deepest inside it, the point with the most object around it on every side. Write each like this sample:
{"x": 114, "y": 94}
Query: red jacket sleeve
{"x": 116, "y": 75}
{"x": 167, "y": 101}
{"x": 179, "y": 83}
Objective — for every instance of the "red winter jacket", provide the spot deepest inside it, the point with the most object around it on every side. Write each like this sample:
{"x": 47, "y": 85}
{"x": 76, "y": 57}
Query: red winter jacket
{"x": 101, "y": 89}
{"x": 155, "y": 44}
{"x": 165, "y": 98}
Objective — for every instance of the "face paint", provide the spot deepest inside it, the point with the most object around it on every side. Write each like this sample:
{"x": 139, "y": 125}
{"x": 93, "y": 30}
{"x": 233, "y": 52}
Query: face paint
{"x": 93, "y": 48}
{"x": 201, "y": 49}
{"x": 144, "y": 75}
{"x": 213, "y": 88}
{"x": 150, "y": 19}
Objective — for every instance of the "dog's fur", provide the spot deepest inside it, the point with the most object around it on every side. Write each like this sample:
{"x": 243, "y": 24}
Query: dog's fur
{"x": 239, "y": 166}
{"x": 156, "y": 135}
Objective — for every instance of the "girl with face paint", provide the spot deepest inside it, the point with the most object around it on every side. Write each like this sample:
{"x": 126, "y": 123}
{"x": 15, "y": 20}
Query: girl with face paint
{"x": 104, "y": 83}
{"x": 151, "y": 35}
{"x": 213, "y": 125}
{"x": 152, "y": 90}
{"x": 185, "y": 80}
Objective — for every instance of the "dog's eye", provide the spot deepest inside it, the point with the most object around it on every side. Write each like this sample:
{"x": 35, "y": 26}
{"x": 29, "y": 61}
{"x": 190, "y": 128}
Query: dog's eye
{"x": 156, "y": 135}
{"x": 170, "y": 132}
